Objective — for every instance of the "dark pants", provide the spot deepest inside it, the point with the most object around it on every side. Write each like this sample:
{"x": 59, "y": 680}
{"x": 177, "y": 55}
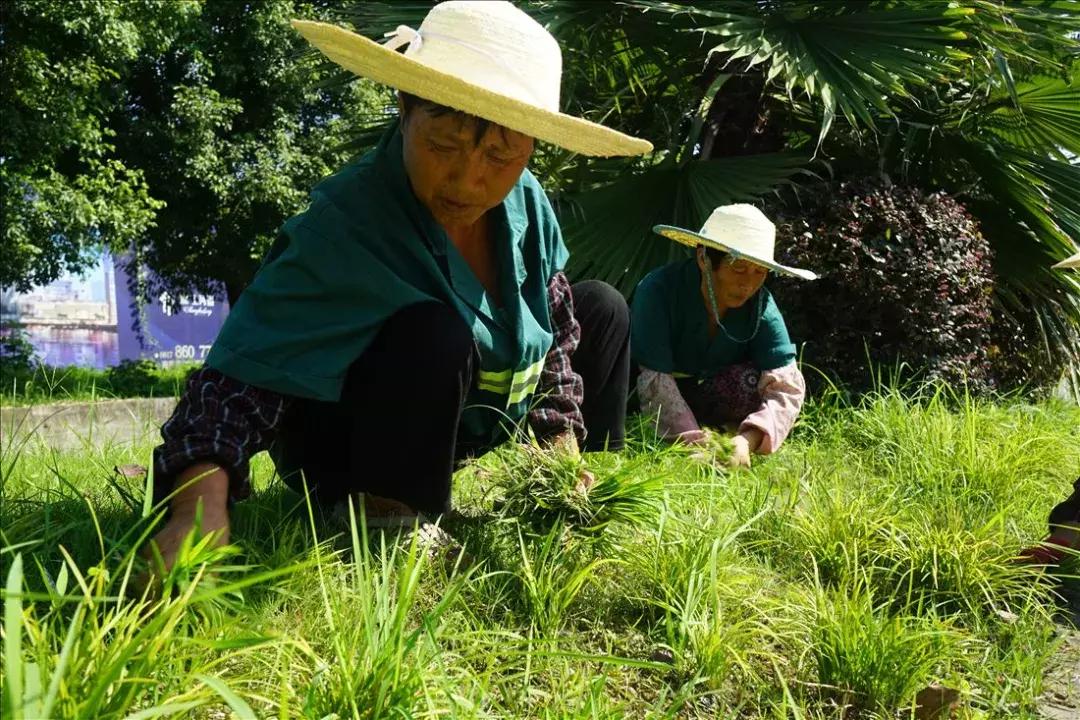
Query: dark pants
{"x": 394, "y": 432}
{"x": 1067, "y": 512}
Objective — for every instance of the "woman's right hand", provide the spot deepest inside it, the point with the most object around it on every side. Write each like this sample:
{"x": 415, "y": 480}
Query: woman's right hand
{"x": 204, "y": 485}
{"x": 740, "y": 452}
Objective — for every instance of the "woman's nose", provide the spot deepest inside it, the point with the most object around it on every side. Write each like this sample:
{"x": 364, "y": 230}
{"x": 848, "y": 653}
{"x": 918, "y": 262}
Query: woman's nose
{"x": 467, "y": 170}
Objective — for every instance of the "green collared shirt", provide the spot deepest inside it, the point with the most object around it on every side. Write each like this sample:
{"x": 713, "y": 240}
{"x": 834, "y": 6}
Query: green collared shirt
{"x": 670, "y": 327}
{"x": 364, "y": 249}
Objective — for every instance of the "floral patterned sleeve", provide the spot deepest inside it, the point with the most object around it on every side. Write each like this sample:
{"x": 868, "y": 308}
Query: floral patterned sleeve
{"x": 660, "y": 397}
{"x": 783, "y": 391}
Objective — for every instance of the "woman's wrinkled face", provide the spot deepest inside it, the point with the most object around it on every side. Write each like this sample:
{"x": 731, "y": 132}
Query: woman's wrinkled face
{"x": 455, "y": 176}
{"x": 736, "y": 281}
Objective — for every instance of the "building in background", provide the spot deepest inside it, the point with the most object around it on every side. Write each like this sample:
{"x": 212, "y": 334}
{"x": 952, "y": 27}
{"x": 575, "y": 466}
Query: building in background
{"x": 90, "y": 320}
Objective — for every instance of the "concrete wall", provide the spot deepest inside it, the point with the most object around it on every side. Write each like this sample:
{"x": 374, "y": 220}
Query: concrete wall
{"x": 70, "y": 426}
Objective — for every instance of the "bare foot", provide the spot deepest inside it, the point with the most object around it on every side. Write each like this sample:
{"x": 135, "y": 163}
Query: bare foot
{"x": 376, "y": 506}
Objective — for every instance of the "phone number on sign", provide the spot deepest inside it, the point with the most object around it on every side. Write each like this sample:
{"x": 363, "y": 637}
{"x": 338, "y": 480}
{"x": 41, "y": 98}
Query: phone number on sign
{"x": 191, "y": 352}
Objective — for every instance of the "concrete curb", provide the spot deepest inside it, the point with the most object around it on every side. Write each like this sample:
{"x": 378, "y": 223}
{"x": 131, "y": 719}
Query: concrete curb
{"x": 77, "y": 425}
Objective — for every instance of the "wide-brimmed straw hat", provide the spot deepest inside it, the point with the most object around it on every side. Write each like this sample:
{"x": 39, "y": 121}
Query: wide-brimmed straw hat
{"x": 740, "y": 230}
{"x": 487, "y": 59}
{"x": 1073, "y": 262}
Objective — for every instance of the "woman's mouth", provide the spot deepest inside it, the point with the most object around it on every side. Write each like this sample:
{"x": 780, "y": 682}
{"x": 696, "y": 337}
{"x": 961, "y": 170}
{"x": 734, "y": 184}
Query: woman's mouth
{"x": 454, "y": 205}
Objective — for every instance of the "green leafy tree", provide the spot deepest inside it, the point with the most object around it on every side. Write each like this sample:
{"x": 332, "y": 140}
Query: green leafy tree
{"x": 232, "y": 127}
{"x": 183, "y": 133}
{"x": 65, "y": 188}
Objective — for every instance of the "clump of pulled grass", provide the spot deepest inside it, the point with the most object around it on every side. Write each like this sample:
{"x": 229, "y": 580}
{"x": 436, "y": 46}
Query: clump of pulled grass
{"x": 545, "y": 489}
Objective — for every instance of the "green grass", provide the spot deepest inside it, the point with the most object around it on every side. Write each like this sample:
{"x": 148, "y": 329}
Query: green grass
{"x": 34, "y": 385}
{"x": 867, "y": 560}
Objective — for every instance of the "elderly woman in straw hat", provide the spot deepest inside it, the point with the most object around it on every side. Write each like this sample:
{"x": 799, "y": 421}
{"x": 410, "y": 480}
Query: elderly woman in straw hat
{"x": 711, "y": 344}
{"x": 418, "y": 307}
{"x": 1064, "y": 537}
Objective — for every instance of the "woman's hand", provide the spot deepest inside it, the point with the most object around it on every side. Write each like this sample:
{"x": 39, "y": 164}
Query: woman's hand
{"x": 585, "y": 481}
{"x": 566, "y": 443}
{"x": 740, "y": 452}
{"x": 744, "y": 445}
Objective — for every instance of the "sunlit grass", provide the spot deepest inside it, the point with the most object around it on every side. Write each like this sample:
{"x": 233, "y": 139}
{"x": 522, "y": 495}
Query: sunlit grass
{"x": 871, "y": 558}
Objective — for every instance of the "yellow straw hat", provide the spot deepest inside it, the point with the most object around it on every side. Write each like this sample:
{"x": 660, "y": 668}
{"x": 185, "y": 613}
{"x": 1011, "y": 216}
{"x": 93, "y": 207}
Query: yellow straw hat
{"x": 487, "y": 59}
{"x": 1073, "y": 262}
{"x": 740, "y": 230}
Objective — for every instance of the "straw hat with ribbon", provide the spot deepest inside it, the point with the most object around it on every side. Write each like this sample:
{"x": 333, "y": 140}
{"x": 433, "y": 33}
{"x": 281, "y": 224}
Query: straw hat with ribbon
{"x": 487, "y": 59}
{"x": 1073, "y": 262}
{"x": 741, "y": 231}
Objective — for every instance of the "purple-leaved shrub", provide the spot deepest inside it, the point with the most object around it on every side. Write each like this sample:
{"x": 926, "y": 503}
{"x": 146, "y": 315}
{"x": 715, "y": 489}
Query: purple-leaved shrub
{"x": 905, "y": 276}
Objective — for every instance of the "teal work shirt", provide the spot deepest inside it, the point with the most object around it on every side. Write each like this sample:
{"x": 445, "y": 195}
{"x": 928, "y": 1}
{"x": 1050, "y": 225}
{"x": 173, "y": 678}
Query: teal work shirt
{"x": 670, "y": 327}
{"x": 367, "y": 247}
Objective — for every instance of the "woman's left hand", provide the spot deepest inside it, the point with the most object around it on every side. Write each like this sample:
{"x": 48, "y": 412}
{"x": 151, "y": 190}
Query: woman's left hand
{"x": 564, "y": 443}
{"x": 585, "y": 481}
{"x": 567, "y": 444}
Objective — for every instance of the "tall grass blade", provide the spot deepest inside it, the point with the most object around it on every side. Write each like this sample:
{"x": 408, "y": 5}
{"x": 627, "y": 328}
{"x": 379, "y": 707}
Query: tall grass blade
{"x": 13, "y": 633}
{"x": 235, "y": 702}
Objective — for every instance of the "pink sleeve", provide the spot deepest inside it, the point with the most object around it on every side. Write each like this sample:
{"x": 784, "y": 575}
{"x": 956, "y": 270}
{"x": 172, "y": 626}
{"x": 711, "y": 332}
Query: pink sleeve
{"x": 660, "y": 396}
{"x": 782, "y": 393}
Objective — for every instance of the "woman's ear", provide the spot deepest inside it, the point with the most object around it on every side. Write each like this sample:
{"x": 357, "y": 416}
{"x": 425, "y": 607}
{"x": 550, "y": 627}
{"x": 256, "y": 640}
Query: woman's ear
{"x": 699, "y": 255}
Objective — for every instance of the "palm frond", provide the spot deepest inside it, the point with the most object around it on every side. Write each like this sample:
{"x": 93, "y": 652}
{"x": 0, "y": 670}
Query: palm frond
{"x": 853, "y": 57}
{"x": 1037, "y": 34}
{"x": 1044, "y": 193}
{"x": 373, "y": 18}
{"x": 1028, "y": 211}
{"x": 1045, "y": 115}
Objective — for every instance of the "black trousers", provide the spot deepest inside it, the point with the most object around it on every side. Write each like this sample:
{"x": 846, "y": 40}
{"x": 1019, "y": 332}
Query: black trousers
{"x": 1067, "y": 512}
{"x": 394, "y": 432}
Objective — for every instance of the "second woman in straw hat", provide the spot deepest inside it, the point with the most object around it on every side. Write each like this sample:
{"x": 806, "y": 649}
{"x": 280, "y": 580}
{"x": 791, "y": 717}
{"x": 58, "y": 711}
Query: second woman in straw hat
{"x": 417, "y": 310}
{"x": 710, "y": 341}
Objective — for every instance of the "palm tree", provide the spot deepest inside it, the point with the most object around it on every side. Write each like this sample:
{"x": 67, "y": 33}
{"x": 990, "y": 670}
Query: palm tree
{"x": 980, "y": 98}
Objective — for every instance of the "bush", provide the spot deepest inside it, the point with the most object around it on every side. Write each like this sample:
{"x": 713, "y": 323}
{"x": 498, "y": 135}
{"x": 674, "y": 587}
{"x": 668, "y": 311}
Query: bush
{"x": 1019, "y": 352}
{"x": 17, "y": 354}
{"x": 905, "y": 277}
{"x": 132, "y": 377}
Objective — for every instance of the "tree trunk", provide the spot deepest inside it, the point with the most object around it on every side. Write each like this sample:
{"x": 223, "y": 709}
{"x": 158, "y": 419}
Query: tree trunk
{"x": 233, "y": 289}
{"x": 738, "y": 121}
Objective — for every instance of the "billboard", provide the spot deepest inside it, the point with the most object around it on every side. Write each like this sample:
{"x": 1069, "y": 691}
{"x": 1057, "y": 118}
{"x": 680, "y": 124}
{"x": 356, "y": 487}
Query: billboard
{"x": 89, "y": 320}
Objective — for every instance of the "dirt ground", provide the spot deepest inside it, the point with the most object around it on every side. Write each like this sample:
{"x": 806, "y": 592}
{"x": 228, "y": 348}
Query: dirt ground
{"x": 1061, "y": 694}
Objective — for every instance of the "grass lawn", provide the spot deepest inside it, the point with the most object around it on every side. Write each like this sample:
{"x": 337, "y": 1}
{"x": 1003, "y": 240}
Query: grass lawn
{"x": 41, "y": 384}
{"x": 866, "y": 561}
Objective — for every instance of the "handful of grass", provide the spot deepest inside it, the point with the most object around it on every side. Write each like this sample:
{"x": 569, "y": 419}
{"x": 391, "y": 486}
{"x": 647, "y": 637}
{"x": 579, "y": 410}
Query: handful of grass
{"x": 545, "y": 487}
{"x": 716, "y": 450}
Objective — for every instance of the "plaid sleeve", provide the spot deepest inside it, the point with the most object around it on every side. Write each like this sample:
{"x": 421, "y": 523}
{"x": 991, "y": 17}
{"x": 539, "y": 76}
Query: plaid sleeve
{"x": 557, "y": 405}
{"x": 218, "y": 420}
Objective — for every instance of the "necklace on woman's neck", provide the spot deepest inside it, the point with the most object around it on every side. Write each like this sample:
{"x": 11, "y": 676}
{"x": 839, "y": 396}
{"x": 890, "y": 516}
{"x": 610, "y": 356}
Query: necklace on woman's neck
{"x": 711, "y": 291}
